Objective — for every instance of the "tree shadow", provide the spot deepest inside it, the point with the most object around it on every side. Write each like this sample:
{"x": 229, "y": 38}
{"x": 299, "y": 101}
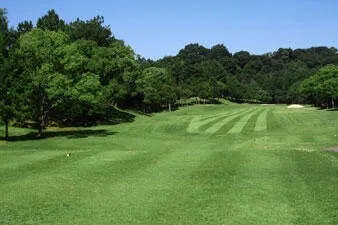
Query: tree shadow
{"x": 70, "y": 134}
{"x": 112, "y": 117}
{"x": 326, "y": 109}
{"x": 139, "y": 112}
{"x": 117, "y": 116}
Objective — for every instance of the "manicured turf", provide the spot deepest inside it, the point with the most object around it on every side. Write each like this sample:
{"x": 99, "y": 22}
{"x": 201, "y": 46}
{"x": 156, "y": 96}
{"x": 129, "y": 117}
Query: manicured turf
{"x": 205, "y": 164}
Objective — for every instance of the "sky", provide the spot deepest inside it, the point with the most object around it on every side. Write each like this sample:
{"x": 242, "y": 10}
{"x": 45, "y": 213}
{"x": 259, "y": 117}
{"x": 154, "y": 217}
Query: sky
{"x": 155, "y": 28}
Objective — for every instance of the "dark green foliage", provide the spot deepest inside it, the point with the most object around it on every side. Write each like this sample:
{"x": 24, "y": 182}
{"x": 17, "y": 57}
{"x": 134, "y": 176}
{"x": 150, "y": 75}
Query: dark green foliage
{"x": 218, "y": 52}
{"x": 193, "y": 53}
{"x": 156, "y": 87}
{"x": 3, "y": 32}
{"x": 322, "y": 88}
{"x": 45, "y": 84}
{"x": 91, "y": 30}
{"x": 242, "y": 58}
{"x": 269, "y": 78}
{"x": 8, "y": 93}
{"x": 78, "y": 73}
{"x": 67, "y": 81}
{"x": 23, "y": 28}
{"x": 51, "y": 22}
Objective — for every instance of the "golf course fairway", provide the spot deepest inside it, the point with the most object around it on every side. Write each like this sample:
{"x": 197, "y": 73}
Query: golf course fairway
{"x": 203, "y": 164}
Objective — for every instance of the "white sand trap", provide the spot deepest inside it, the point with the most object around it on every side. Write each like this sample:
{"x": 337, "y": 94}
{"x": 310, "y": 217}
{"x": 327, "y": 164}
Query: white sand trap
{"x": 295, "y": 106}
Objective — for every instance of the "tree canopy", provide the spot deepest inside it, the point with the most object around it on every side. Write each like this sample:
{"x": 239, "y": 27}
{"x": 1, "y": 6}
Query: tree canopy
{"x": 323, "y": 86}
{"x": 77, "y": 73}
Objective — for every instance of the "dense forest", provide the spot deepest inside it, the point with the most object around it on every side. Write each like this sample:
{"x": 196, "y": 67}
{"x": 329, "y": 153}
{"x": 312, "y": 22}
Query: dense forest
{"x": 78, "y": 73}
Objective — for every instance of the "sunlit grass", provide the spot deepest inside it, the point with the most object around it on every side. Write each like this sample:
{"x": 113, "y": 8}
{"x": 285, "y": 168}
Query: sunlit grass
{"x": 152, "y": 171}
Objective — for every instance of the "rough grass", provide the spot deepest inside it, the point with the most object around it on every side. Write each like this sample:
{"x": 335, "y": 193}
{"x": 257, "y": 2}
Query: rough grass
{"x": 152, "y": 171}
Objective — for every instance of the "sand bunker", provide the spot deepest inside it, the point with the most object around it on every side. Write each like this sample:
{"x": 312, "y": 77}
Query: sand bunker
{"x": 295, "y": 106}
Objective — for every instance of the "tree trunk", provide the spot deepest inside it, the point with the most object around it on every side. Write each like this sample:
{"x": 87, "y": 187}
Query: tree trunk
{"x": 6, "y": 129}
{"x": 42, "y": 125}
{"x": 169, "y": 107}
{"x": 39, "y": 131}
{"x": 41, "y": 116}
{"x": 332, "y": 102}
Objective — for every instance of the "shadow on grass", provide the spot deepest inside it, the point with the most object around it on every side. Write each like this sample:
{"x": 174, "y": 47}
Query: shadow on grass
{"x": 334, "y": 109}
{"x": 117, "y": 116}
{"x": 139, "y": 112}
{"x": 70, "y": 134}
{"x": 112, "y": 117}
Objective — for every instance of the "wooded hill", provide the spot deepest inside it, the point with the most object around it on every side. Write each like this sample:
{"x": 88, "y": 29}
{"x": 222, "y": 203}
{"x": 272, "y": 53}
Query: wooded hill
{"x": 78, "y": 72}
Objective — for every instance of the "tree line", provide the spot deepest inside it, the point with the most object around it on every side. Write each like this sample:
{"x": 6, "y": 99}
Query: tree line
{"x": 78, "y": 73}
{"x": 270, "y": 78}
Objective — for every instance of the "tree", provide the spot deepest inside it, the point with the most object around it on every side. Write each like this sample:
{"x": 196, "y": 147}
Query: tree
{"x": 51, "y": 22}
{"x": 6, "y": 95}
{"x": 24, "y": 27}
{"x": 3, "y": 33}
{"x": 157, "y": 87}
{"x": 40, "y": 64}
{"x": 115, "y": 67}
{"x": 193, "y": 53}
{"x": 234, "y": 87}
{"x": 294, "y": 94}
{"x": 322, "y": 86}
{"x": 218, "y": 52}
{"x": 241, "y": 58}
{"x": 210, "y": 74}
{"x": 91, "y": 30}
{"x": 7, "y": 92}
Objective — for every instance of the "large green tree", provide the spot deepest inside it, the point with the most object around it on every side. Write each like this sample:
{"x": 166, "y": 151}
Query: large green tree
{"x": 157, "y": 88}
{"x": 323, "y": 86}
{"x": 50, "y": 21}
{"x": 7, "y": 84}
{"x": 41, "y": 70}
{"x": 92, "y": 29}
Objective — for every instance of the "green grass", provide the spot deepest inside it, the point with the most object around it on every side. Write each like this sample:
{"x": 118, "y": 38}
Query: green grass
{"x": 261, "y": 122}
{"x": 236, "y": 164}
{"x": 239, "y": 126}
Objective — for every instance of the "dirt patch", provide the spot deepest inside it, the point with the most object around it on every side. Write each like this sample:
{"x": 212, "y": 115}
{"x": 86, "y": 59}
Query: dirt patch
{"x": 295, "y": 106}
{"x": 333, "y": 149}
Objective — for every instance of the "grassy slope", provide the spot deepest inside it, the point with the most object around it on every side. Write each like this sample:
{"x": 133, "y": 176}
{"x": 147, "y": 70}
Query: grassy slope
{"x": 262, "y": 167}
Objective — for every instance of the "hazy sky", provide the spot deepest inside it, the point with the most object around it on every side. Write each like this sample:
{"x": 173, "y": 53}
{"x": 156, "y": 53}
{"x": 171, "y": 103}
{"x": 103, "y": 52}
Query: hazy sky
{"x": 158, "y": 28}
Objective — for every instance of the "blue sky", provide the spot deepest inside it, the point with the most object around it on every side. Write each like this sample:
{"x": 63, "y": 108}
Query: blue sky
{"x": 159, "y": 28}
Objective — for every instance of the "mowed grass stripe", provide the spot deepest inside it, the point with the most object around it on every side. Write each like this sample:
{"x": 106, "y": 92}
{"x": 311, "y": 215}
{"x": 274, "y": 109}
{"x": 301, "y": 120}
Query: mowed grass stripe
{"x": 201, "y": 190}
{"x": 238, "y": 127}
{"x": 165, "y": 183}
{"x": 257, "y": 192}
{"x": 38, "y": 166}
{"x": 18, "y": 158}
{"x": 273, "y": 123}
{"x": 305, "y": 178}
{"x": 76, "y": 188}
{"x": 198, "y": 121}
{"x": 250, "y": 125}
{"x": 216, "y": 127}
{"x": 166, "y": 176}
{"x": 204, "y": 127}
{"x": 261, "y": 122}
